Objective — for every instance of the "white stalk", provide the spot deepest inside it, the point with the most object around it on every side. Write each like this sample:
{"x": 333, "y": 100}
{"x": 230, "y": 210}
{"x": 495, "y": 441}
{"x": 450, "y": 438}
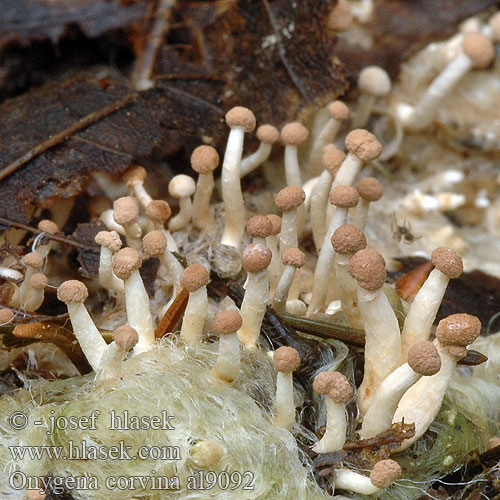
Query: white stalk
{"x": 349, "y": 480}
{"x": 109, "y": 222}
{"x": 294, "y": 178}
{"x": 34, "y": 300}
{"x": 281, "y": 293}
{"x": 275, "y": 267}
{"x": 202, "y": 216}
{"x": 22, "y": 293}
{"x": 360, "y": 215}
{"x": 174, "y": 269}
{"x": 347, "y": 290}
{"x": 141, "y": 194}
{"x": 288, "y": 233}
{"x": 251, "y": 162}
{"x": 227, "y": 367}
{"x": 364, "y": 108}
{"x": 336, "y": 427}
{"x": 285, "y": 408}
{"x": 194, "y": 316}
{"x": 326, "y": 136}
{"x": 183, "y": 218}
{"x": 107, "y": 277}
{"x": 110, "y": 366}
{"x": 319, "y": 204}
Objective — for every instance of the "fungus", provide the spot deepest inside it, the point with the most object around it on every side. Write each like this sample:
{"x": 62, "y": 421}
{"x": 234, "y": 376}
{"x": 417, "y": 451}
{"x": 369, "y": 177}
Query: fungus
{"x": 369, "y": 190}
{"x": 49, "y": 227}
{"x": 382, "y": 337}
{"x": 293, "y": 259}
{"x": 6, "y": 316}
{"x": 182, "y": 188}
{"x": 194, "y": 280}
{"x": 240, "y": 120}
{"x": 292, "y": 136}
{"x": 340, "y": 18}
{"x": 110, "y": 243}
{"x": 126, "y": 214}
{"x": 259, "y": 227}
{"x": 287, "y": 201}
{"x": 74, "y": 293}
{"x": 226, "y": 325}
{"x": 272, "y": 242}
{"x": 126, "y": 264}
{"x": 158, "y": 212}
{"x": 267, "y": 135}
{"x": 423, "y": 360}
{"x": 107, "y": 216}
{"x": 33, "y": 262}
{"x": 478, "y": 52}
{"x": 206, "y": 454}
{"x": 255, "y": 260}
{"x": 337, "y": 391}
{"x": 38, "y": 282}
{"x": 422, "y": 312}
{"x": 10, "y": 274}
{"x": 286, "y": 360}
{"x": 343, "y": 197}
{"x": 35, "y": 494}
{"x": 494, "y": 27}
{"x": 135, "y": 177}
{"x": 204, "y": 160}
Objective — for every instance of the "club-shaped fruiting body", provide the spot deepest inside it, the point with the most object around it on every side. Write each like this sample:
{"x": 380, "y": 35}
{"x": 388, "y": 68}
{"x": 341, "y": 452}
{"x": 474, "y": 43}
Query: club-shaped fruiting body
{"x": 382, "y": 336}
{"x": 287, "y": 201}
{"x": 272, "y": 242}
{"x": 158, "y": 212}
{"x": 423, "y": 360}
{"x": 204, "y": 160}
{"x": 259, "y": 227}
{"x": 293, "y": 259}
{"x": 194, "y": 280}
{"x": 337, "y": 391}
{"x": 383, "y": 474}
{"x": 292, "y": 136}
{"x": 240, "y": 120}
{"x": 478, "y": 52}
{"x": 48, "y": 227}
{"x": 286, "y": 360}
{"x": 33, "y": 262}
{"x": 110, "y": 243}
{"x": 126, "y": 264}
{"x": 74, "y": 293}
{"x": 135, "y": 177}
{"x": 421, "y": 403}
{"x": 226, "y": 325}
{"x": 126, "y": 214}
{"x": 38, "y": 282}
{"x": 340, "y": 18}
{"x": 6, "y": 316}
{"x": 255, "y": 260}
{"x": 267, "y": 135}
{"x": 343, "y": 198}
{"x": 422, "y": 313}
{"x": 369, "y": 190}
{"x": 346, "y": 241}
{"x": 181, "y": 187}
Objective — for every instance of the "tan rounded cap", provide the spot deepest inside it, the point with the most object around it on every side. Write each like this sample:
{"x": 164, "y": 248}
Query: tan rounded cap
{"x": 457, "y": 351}
{"x": 493, "y": 442}
{"x": 332, "y": 159}
{"x": 194, "y": 277}
{"x": 385, "y": 472}
{"x": 158, "y": 211}
{"x": 367, "y": 267}
{"x": 374, "y": 80}
{"x": 339, "y": 111}
{"x": 6, "y": 316}
{"x": 125, "y": 210}
{"x": 370, "y": 189}
{"x": 125, "y": 262}
{"x": 241, "y": 117}
{"x": 494, "y": 24}
{"x": 125, "y": 337}
{"x": 423, "y": 358}
{"x": 276, "y": 222}
{"x": 458, "y": 329}
{"x": 340, "y": 18}
{"x": 227, "y": 322}
{"x": 181, "y": 186}
{"x": 154, "y": 243}
{"x": 341, "y": 391}
{"x": 109, "y": 239}
{"x": 286, "y": 359}
{"x": 38, "y": 281}
{"x": 256, "y": 258}
{"x": 293, "y": 134}
{"x": 33, "y": 259}
{"x": 72, "y": 292}
{"x": 35, "y": 494}
{"x": 134, "y": 174}
{"x": 323, "y": 382}
{"x": 480, "y": 49}
{"x": 344, "y": 196}
{"x": 293, "y": 257}
{"x": 290, "y": 198}
{"x": 259, "y": 226}
{"x": 204, "y": 159}
{"x": 363, "y": 145}
{"x": 448, "y": 262}
{"x": 47, "y": 226}
{"x": 348, "y": 239}
{"x": 268, "y": 134}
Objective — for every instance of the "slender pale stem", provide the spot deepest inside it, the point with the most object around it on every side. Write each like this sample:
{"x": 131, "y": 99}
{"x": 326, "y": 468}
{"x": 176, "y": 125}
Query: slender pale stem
{"x": 194, "y": 316}
{"x": 285, "y": 407}
{"x": 251, "y": 162}
{"x": 202, "y": 216}
{"x": 281, "y": 293}
{"x": 227, "y": 367}
{"x": 182, "y": 219}
{"x": 336, "y": 425}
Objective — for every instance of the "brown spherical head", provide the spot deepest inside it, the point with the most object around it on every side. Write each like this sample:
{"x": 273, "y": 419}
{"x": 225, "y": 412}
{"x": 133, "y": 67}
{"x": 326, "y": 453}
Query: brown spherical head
{"x": 385, "y": 472}
{"x": 363, "y": 145}
{"x": 256, "y": 258}
{"x": 135, "y": 174}
{"x": 241, "y": 117}
{"x": 480, "y": 49}
{"x": 259, "y": 226}
{"x": 181, "y": 186}
{"x": 293, "y": 134}
{"x": 458, "y": 329}
{"x": 332, "y": 159}
{"x": 268, "y": 134}
{"x": 456, "y": 351}
{"x": 293, "y": 257}
{"x": 125, "y": 337}
{"x": 323, "y": 382}
{"x": 286, "y": 359}
{"x": 6, "y": 316}
{"x": 38, "y": 281}
{"x": 125, "y": 262}
{"x": 72, "y": 292}
{"x": 33, "y": 259}
{"x": 339, "y": 111}
{"x": 109, "y": 239}
{"x": 348, "y": 239}
{"x": 367, "y": 267}
{"x": 47, "y": 226}
{"x": 194, "y": 277}
{"x": 374, "y": 80}
{"x": 494, "y": 24}
{"x": 340, "y": 391}
{"x": 344, "y": 196}
{"x": 448, "y": 262}
{"x": 125, "y": 210}
{"x": 290, "y": 198}
{"x": 227, "y": 322}
{"x": 423, "y": 358}
{"x": 370, "y": 189}
{"x": 276, "y": 223}
{"x": 204, "y": 159}
{"x": 154, "y": 243}
{"x": 158, "y": 211}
